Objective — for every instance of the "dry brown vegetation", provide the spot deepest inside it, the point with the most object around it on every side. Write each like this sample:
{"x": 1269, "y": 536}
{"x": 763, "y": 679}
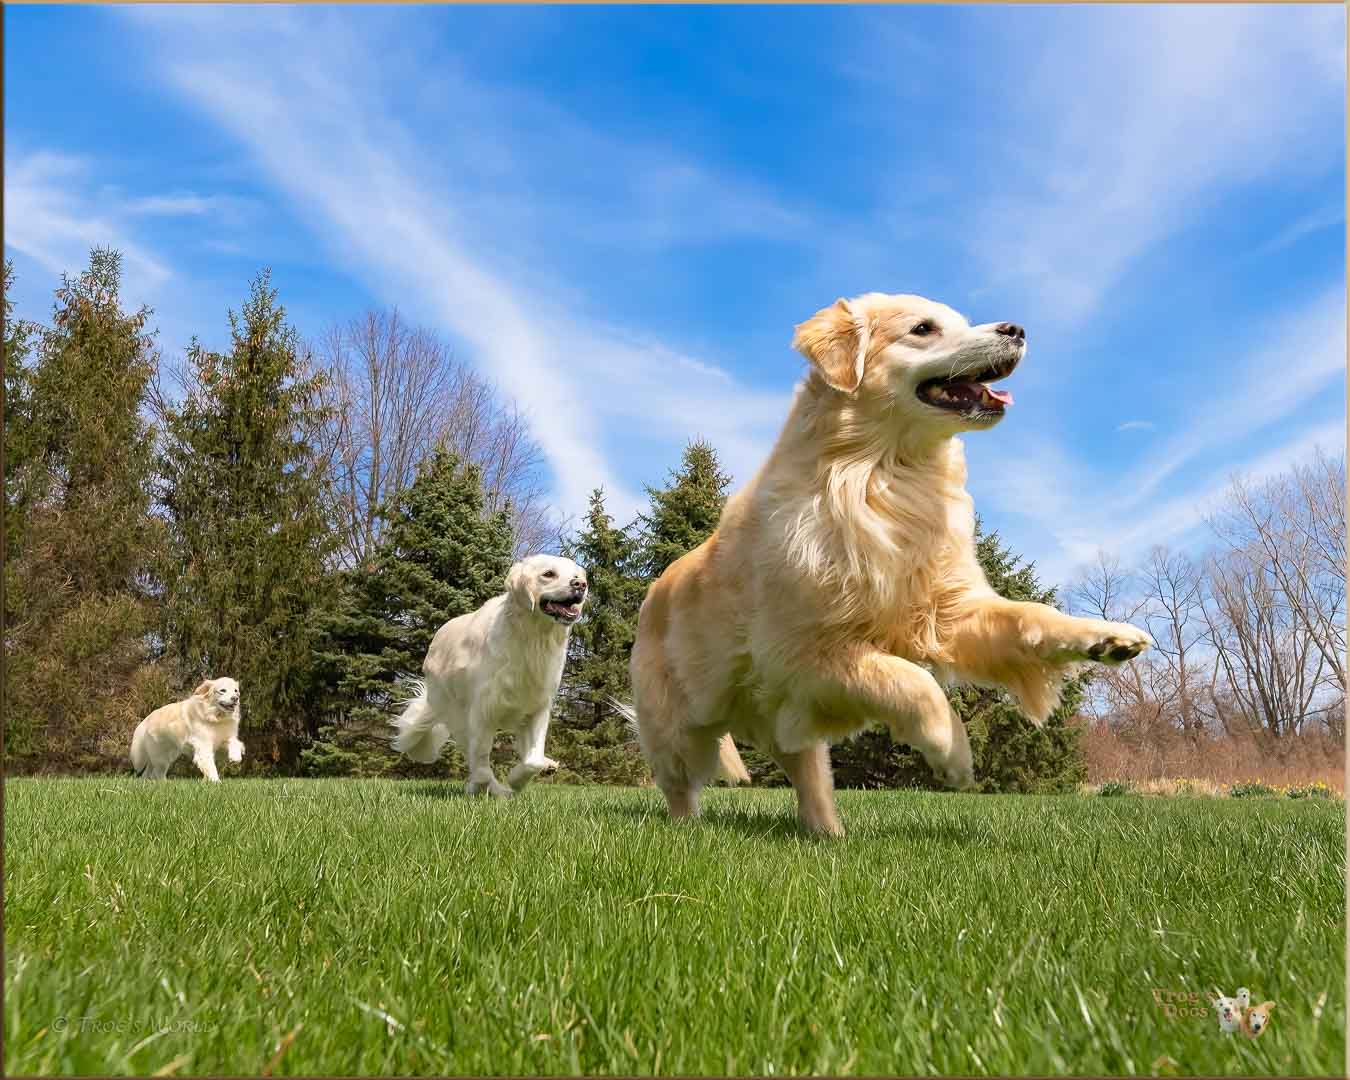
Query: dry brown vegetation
{"x": 1214, "y": 760}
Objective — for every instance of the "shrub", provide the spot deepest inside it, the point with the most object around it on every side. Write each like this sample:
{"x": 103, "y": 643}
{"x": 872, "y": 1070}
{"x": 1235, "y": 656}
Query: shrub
{"x": 1318, "y": 790}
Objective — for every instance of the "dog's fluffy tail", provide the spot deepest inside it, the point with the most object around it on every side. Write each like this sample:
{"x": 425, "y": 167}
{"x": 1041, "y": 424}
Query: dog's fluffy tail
{"x": 139, "y": 759}
{"x": 729, "y": 761}
{"x": 627, "y": 712}
{"x": 420, "y": 737}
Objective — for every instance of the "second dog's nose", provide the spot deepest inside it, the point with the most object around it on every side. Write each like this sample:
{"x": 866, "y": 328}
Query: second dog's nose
{"x": 1011, "y": 330}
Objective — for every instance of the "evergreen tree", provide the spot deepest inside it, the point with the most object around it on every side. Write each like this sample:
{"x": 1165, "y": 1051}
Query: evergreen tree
{"x": 1010, "y": 753}
{"x": 20, "y": 450}
{"x": 681, "y": 516}
{"x": 243, "y": 492}
{"x": 440, "y": 555}
{"x": 602, "y": 642}
{"x": 684, "y": 513}
{"x": 589, "y": 738}
{"x": 79, "y": 537}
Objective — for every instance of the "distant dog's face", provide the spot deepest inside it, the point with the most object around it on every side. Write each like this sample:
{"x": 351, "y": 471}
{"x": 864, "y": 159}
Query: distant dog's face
{"x": 553, "y": 586}
{"x": 223, "y": 693}
{"x": 921, "y": 359}
{"x": 1258, "y": 1018}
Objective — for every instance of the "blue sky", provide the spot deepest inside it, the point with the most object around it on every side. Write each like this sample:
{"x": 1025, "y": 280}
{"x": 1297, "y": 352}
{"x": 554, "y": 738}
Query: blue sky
{"x": 620, "y": 213}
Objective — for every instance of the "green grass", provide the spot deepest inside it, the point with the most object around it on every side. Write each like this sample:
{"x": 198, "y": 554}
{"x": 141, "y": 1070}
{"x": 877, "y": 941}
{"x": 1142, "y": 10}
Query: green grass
{"x": 355, "y": 927}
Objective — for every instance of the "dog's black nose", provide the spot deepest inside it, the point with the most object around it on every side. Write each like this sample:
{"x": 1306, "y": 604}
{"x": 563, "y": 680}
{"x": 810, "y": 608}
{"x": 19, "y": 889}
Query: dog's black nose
{"x": 577, "y": 583}
{"x": 1011, "y": 330}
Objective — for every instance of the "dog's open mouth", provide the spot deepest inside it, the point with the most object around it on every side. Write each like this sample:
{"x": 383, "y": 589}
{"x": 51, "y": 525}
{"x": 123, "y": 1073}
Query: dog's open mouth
{"x": 969, "y": 394}
{"x": 566, "y": 609}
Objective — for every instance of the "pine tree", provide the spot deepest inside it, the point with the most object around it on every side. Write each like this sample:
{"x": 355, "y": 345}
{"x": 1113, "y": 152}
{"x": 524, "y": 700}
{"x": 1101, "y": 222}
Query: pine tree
{"x": 79, "y": 536}
{"x": 20, "y": 435}
{"x": 684, "y": 513}
{"x": 589, "y": 739}
{"x": 243, "y": 491}
{"x": 1010, "y": 753}
{"x": 603, "y": 641}
{"x": 440, "y": 555}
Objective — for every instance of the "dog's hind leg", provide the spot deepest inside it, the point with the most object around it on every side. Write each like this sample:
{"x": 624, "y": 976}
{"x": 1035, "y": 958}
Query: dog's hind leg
{"x": 812, "y": 779}
{"x": 683, "y": 766}
{"x": 422, "y": 731}
{"x": 478, "y": 751}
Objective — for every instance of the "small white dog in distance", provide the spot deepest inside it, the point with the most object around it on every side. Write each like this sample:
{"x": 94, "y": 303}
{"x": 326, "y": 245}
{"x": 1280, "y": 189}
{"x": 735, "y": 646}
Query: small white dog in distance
{"x": 1229, "y": 1013}
{"x": 205, "y": 721}
{"x": 497, "y": 668}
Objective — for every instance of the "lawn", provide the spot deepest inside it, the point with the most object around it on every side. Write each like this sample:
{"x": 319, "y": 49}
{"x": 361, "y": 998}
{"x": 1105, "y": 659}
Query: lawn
{"x": 356, "y": 927}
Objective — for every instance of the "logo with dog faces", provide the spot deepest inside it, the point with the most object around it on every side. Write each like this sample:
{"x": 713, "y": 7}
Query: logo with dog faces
{"x": 1236, "y": 1014}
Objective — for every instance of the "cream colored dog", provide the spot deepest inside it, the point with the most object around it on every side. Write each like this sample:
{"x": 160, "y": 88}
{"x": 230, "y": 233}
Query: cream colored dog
{"x": 497, "y": 667}
{"x": 205, "y": 721}
{"x": 841, "y": 585}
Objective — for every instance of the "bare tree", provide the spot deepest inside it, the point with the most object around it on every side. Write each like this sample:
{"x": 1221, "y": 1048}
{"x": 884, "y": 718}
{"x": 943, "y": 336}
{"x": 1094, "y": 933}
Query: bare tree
{"x": 398, "y": 392}
{"x": 1124, "y": 694}
{"x": 1269, "y": 663}
{"x": 1250, "y": 638}
{"x": 1292, "y": 528}
{"x": 1173, "y": 613}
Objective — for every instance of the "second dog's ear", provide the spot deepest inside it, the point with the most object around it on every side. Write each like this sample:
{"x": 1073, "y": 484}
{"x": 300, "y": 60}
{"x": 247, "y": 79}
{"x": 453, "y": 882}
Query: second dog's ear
{"x": 835, "y": 340}
{"x": 518, "y": 585}
{"x": 202, "y": 690}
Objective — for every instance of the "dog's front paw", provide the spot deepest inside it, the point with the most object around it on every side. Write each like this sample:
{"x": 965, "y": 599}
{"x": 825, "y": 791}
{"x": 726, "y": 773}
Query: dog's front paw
{"x": 236, "y": 751}
{"x": 490, "y": 786}
{"x": 1122, "y": 643}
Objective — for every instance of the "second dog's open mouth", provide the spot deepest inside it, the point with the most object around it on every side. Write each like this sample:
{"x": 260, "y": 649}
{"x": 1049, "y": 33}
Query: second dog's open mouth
{"x": 968, "y": 394}
{"x": 566, "y": 610}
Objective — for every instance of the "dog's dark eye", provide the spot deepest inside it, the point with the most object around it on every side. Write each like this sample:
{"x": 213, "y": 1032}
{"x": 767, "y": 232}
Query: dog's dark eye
{"x": 924, "y": 328}
{"x": 550, "y": 573}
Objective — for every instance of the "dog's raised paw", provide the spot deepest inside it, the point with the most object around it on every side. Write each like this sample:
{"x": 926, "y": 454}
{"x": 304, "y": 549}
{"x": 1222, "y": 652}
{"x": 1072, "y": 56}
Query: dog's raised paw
{"x": 1116, "y": 649}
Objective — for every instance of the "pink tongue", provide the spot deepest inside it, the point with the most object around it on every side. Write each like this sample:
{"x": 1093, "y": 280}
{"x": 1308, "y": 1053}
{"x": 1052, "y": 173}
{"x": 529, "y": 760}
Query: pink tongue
{"x": 999, "y": 395}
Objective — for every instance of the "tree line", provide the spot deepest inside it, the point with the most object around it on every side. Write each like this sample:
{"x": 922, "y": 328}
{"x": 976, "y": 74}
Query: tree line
{"x": 303, "y": 516}
{"x": 1250, "y": 633}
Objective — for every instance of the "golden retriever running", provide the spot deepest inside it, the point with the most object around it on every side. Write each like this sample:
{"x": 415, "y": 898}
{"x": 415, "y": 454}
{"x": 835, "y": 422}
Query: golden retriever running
{"x": 205, "y": 721}
{"x": 497, "y": 667}
{"x": 841, "y": 584}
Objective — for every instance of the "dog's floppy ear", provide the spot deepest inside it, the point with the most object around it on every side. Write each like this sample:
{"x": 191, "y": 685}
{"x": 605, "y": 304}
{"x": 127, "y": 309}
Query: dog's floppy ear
{"x": 518, "y": 585}
{"x": 835, "y": 340}
{"x": 202, "y": 690}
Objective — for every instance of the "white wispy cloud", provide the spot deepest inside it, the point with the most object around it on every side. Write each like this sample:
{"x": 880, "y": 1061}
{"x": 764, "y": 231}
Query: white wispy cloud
{"x": 1083, "y": 512}
{"x": 1303, "y": 358}
{"x": 53, "y": 216}
{"x": 1328, "y": 217}
{"x": 1150, "y": 142}
{"x": 435, "y": 241}
{"x": 180, "y": 205}
{"x": 1152, "y": 128}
